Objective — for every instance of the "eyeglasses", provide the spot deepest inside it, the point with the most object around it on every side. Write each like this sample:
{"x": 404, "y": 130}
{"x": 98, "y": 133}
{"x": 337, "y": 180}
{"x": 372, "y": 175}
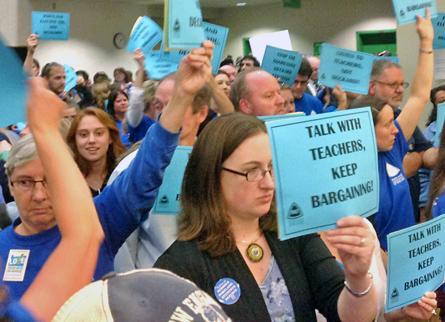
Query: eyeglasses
{"x": 27, "y": 184}
{"x": 394, "y": 86}
{"x": 253, "y": 175}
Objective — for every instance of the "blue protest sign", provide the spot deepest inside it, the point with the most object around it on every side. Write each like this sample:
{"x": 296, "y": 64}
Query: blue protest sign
{"x": 267, "y": 118}
{"x": 145, "y": 35}
{"x": 12, "y": 88}
{"x": 416, "y": 259}
{"x": 282, "y": 64}
{"x": 439, "y": 31}
{"x": 71, "y": 78}
{"x": 183, "y": 24}
{"x": 348, "y": 68}
{"x": 51, "y": 25}
{"x": 167, "y": 200}
{"x": 439, "y": 123}
{"x": 407, "y": 10}
{"x": 157, "y": 67}
{"x": 218, "y": 35}
{"x": 174, "y": 56}
{"x": 325, "y": 168}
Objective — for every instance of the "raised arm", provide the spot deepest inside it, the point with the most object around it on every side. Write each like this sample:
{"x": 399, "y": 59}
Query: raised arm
{"x": 194, "y": 72}
{"x": 136, "y": 104}
{"x": 223, "y": 105}
{"x": 423, "y": 78}
{"x": 71, "y": 265}
{"x": 31, "y": 44}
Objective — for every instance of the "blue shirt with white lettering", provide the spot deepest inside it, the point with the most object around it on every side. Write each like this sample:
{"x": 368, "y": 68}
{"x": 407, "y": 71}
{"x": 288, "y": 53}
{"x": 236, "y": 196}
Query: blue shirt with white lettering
{"x": 395, "y": 208}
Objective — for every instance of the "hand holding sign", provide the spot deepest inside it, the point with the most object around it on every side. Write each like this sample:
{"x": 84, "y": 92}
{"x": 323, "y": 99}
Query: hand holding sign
{"x": 354, "y": 241}
{"x": 423, "y": 309}
{"x": 195, "y": 69}
{"x": 425, "y": 30}
{"x": 139, "y": 58}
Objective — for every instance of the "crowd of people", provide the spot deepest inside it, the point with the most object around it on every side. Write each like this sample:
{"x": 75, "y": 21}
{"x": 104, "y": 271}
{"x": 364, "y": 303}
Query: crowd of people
{"x": 82, "y": 177}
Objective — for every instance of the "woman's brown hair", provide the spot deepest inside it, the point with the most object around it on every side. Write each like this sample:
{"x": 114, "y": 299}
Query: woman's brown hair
{"x": 204, "y": 215}
{"x": 115, "y": 149}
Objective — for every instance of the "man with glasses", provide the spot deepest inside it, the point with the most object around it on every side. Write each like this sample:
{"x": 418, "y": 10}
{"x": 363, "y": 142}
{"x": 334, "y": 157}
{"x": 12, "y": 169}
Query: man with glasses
{"x": 388, "y": 84}
{"x": 305, "y": 102}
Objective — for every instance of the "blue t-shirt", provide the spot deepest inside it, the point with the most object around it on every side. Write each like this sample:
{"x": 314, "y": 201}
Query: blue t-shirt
{"x": 311, "y": 105}
{"x": 123, "y": 135}
{"x": 395, "y": 208}
{"x": 137, "y": 133}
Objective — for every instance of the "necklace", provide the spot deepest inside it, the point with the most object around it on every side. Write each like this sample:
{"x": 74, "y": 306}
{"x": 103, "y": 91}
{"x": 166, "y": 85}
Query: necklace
{"x": 254, "y": 251}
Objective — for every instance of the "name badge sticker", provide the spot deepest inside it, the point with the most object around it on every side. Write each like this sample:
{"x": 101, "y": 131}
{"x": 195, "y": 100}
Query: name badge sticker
{"x": 227, "y": 291}
{"x": 16, "y": 265}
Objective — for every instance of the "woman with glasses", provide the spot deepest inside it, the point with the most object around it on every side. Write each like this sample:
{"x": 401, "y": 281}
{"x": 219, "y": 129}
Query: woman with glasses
{"x": 94, "y": 139}
{"x": 227, "y": 237}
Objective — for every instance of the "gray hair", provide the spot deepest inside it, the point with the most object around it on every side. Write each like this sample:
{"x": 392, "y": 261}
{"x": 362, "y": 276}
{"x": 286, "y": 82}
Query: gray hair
{"x": 23, "y": 151}
{"x": 380, "y": 65}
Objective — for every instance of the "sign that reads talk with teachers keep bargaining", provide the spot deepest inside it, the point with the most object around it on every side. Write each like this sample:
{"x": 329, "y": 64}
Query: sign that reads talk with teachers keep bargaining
{"x": 325, "y": 167}
{"x": 416, "y": 259}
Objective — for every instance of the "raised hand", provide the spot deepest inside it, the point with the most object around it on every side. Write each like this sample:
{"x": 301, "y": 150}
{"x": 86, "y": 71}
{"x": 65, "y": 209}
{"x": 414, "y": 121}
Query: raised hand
{"x": 424, "y": 27}
{"x": 32, "y": 42}
{"x": 45, "y": 109}
{"x": 195, "y": 69}
{"x": 139, "y": 58}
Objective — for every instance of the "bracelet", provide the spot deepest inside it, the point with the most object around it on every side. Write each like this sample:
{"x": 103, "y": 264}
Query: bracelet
{"x": 360, "y": 294}
{"x": 425, "y": 51}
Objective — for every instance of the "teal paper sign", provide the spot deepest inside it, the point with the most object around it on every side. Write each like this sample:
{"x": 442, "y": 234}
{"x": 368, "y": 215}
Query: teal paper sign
{"x": 218, "y": 35}
{"x": 145, "y": 35}
{"x": 439, "y": 123}
{"x": 348, "y": 68}
{"x": 157, "y": 67}
{"x": 416, "y": 259}
{"x": 325, "y": 168}
{"x": 51, "y": 25}
{"x": 12, "y": 89}
{"x": 407, "y": 10}
{"x": 167, "y": 200}
{"x": 71, "y": 78}
{"x": 183, "y": 24}
{"x": 439, "y": 31}
{"x": 174, "y": 56}
{"x": 282, "y": 64}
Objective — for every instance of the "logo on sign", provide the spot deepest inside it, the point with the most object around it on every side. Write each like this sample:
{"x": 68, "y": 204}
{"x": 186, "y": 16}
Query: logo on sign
{"x": 294, "y": 211}
{"x": 394, "y": 295}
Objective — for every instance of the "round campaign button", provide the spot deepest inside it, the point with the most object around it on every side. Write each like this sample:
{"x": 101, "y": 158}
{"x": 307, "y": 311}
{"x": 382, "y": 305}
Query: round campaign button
{"x": 227, "y": 291}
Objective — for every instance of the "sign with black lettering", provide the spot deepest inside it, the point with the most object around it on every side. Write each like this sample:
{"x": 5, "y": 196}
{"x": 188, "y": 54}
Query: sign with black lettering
{"x": 51, "y": 25}
{"x": 348, "y": 68}
{"x": 416, "y": 259}
{"x": 407, "y": 10}
{"x": 439, "y": 31}
{"x": 325, "y": 168}
{"x": 282, "y": 64}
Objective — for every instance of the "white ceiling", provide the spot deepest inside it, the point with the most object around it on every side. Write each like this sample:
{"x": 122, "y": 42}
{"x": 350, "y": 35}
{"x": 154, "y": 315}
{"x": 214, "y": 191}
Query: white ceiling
{"x": 208, "y": 3}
